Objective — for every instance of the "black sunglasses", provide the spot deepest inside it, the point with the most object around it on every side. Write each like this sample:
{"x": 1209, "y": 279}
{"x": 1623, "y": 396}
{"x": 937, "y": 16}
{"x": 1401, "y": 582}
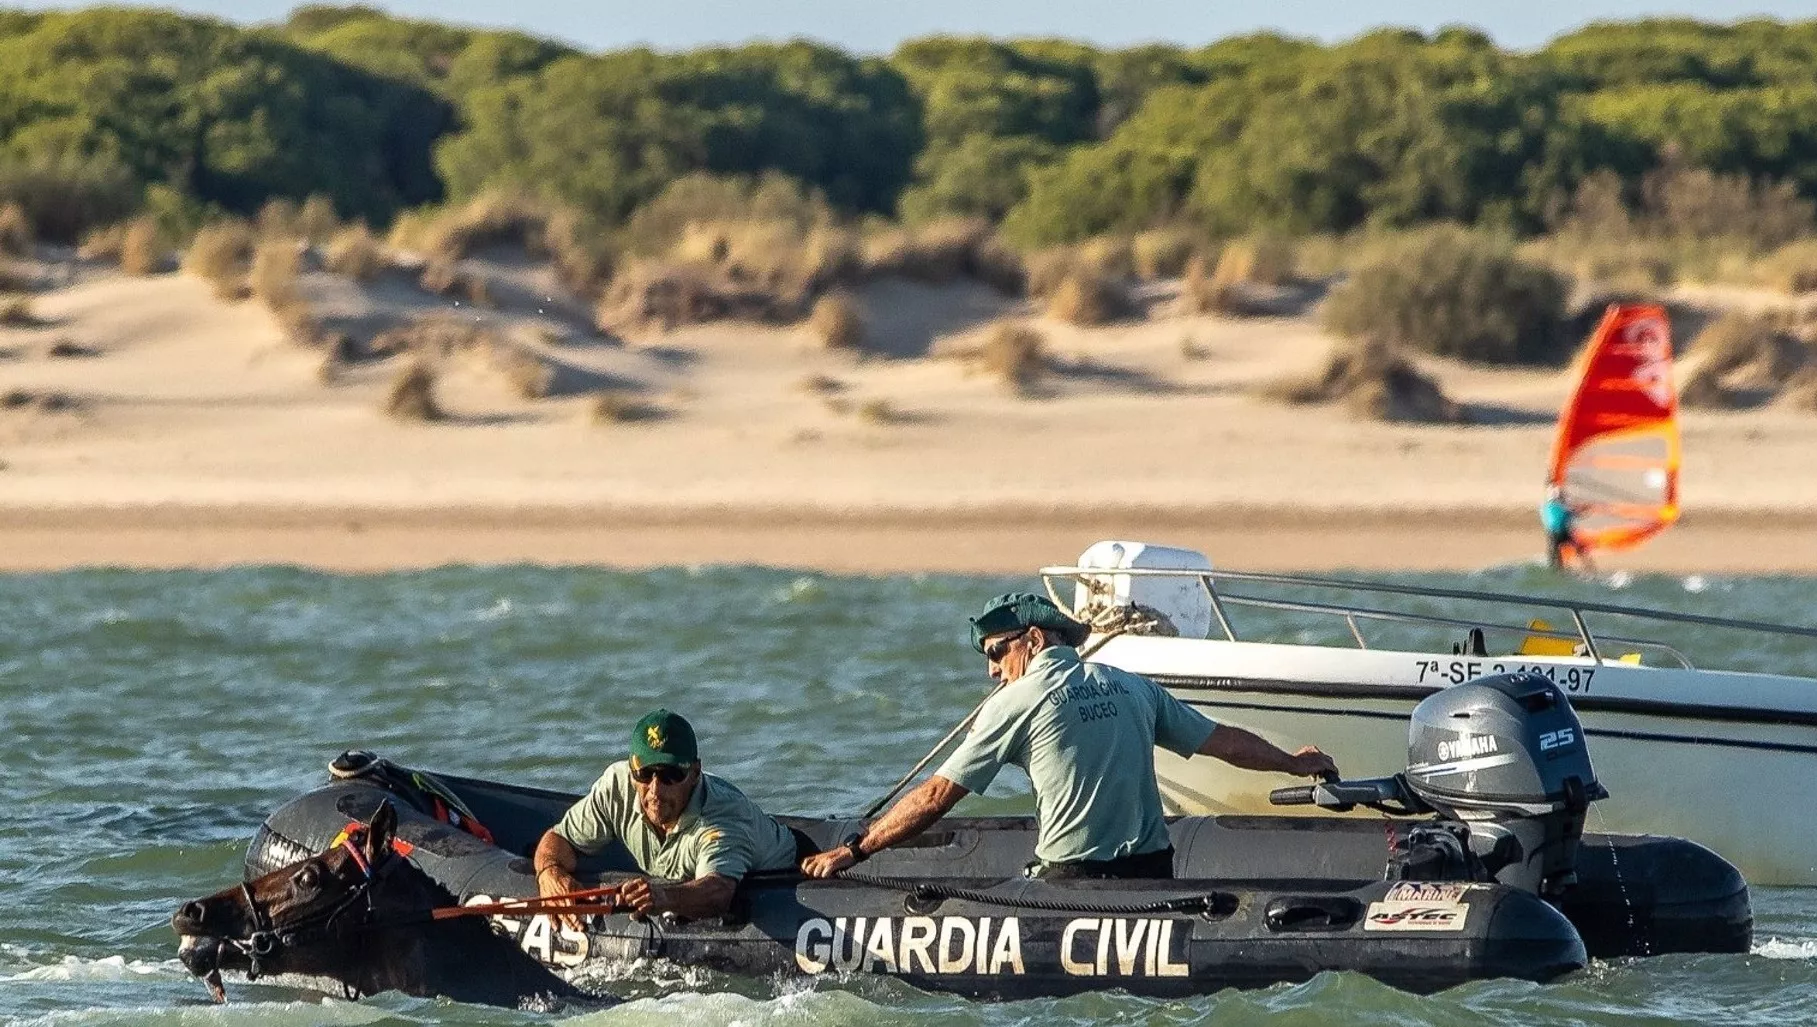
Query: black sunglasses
{"x": 996, "y": 651}
{"x": 667, "y": 773}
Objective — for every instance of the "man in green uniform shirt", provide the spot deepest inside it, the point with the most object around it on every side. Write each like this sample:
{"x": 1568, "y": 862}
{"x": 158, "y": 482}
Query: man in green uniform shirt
{"x": 695, "y": 831}
{"x": 1085, "y": 733}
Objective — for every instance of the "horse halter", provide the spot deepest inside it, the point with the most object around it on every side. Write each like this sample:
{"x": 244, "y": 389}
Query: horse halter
{"x": 265, "y": 940}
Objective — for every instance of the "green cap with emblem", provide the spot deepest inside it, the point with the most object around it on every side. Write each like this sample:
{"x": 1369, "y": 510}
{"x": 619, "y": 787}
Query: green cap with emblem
{"x": 662, "y": 738}
{"x": 1016, "y": 611}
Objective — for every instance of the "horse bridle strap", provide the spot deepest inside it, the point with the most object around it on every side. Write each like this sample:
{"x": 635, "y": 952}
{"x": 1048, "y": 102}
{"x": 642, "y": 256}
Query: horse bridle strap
{"x": 265, "y": 939}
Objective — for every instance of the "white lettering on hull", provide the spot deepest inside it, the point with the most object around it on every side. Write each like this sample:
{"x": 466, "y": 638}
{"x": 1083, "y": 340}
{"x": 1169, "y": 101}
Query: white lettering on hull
{"x": 1122, "y": 948}
{"x": 1089, "y": 946}
{"x": 916, "y": 944}
{"x": 541, "y": 936}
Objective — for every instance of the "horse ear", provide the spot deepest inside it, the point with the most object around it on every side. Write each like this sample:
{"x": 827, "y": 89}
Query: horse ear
{"x": 380, "y": 832}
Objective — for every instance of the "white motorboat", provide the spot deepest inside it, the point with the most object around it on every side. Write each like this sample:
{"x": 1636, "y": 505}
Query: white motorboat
{"x": 1740, "y": 746}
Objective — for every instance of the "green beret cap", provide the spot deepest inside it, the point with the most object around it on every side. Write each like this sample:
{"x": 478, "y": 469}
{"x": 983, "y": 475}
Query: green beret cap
{"x": 1021, "y": 610}
{"x": 663, "y": 737}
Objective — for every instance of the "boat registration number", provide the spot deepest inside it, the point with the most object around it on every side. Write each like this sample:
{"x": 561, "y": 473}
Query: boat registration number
{"x": 1456, "y": 672}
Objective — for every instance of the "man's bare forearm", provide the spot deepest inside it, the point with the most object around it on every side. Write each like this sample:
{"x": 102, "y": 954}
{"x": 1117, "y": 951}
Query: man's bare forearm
{"x": 553, "y": 852}
{"x": 914, "y": 813}
{"x": 697, "y": 899}
{"x": 1244, "y": 749}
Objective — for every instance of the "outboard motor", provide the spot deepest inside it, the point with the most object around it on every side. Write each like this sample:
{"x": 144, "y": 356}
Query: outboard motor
{"x": 1506, "y": 755}
{"x": 1502, "y": 761}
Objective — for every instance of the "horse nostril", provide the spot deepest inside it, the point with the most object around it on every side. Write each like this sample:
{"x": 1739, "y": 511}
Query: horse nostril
{"x": 195, "y": 912}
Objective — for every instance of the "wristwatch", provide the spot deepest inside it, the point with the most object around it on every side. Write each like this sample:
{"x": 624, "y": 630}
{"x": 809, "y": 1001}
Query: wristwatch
{"x": 851, "y": 844}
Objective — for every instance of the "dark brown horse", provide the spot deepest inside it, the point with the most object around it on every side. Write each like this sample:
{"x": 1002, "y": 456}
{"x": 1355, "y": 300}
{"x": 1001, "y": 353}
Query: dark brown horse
{"x": 359, "y": 914}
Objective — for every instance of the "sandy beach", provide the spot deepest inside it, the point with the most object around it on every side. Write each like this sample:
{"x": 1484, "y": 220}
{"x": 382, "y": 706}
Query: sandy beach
{"x": 198, "y": 437}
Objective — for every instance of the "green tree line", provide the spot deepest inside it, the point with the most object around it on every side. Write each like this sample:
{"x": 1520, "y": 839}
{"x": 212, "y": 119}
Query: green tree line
{"x": 107, "y": 111}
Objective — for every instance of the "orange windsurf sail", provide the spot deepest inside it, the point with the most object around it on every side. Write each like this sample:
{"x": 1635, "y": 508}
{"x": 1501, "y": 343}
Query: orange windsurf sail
{"x": 1616, "y": 455}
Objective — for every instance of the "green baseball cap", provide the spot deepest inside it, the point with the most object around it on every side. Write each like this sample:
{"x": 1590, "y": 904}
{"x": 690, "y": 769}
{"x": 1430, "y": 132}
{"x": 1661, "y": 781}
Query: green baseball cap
{"x": 663, "y": 737}
{"x": 1020, "y": 610}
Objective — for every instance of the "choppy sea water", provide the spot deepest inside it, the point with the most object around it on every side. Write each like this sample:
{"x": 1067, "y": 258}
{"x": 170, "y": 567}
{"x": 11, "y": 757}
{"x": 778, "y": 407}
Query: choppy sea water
{"x": 150, "y": 720}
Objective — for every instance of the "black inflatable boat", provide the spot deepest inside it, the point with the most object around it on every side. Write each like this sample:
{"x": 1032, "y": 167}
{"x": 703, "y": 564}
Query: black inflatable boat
{"x": 1485, "y": 874}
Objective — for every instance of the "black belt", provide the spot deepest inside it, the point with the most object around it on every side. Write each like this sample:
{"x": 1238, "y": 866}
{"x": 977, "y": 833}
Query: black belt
{"x": 1157, "y": 864}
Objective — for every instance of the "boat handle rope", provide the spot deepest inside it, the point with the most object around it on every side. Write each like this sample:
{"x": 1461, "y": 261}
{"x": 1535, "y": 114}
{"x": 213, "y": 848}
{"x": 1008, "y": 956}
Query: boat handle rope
{"x": 958, "y": 729}
{"x": 1209, "y": 904}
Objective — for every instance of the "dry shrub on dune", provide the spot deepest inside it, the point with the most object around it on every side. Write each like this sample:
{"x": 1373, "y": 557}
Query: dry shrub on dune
{"x": 276, "y": 266}
{"x": 619, "y": 406}
{"x": 277, "y": 219}
{"x": 434, "y": 337}
{"x": 16, "y": 312}
{"x": 653, "y": 293}
{"x": 1241, "y": 265}
{"x": 935, "y": 253}
{"x": 820, "y": 385}
{"x": 1014, "y": 354}
{"x": 446, "y": 278}
{"x": 275, "y": 280}
{"x": 1164, "y": 252}
{"x": 1104, "y": 259}
{"x": 16, "y": 235}
{"x": 354, "y": 252}
{"x": 1203, "y": 292}
{"x": 880, "y": 411}
{"x": 1454, "y": 292}
{"x": 1374, "y": 383}
{"x": 1257, "y": 260}
{"x": 1085, "y": 297}
{"x": 411, "y": 395}
{"x": 137, "y": 246}
{"x": 1111, "y": 256}
{"x": 218, "y": 255}
{"x": 836, "y": 322}
{"x": 497, "y": 217}
{"x": 1745, "y": 349}
{"x": 583, "y": 258}
{"x": 317, "y": 221}
{"x": 142, "y": 247}
{"x": 944, "y": 251}
{"x": 528, "y": 375}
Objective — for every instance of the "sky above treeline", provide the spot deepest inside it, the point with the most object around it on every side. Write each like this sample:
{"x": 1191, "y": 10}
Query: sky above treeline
{"x": 877, "y": 26}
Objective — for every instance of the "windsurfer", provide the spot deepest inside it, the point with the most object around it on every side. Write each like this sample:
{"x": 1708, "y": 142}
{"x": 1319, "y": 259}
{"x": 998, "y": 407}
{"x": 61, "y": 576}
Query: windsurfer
{"x": 1560, "y": 518}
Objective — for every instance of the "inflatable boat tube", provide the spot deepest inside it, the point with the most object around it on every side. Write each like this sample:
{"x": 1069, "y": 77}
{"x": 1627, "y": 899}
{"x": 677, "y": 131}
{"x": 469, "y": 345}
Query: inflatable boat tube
{"x": 1255, "y": 901}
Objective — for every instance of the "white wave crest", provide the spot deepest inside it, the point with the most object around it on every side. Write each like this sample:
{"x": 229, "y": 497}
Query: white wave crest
{"x": 1775, "y": 948}
{"x": 107, "y": 968}
{"x": 724, "y": 1009}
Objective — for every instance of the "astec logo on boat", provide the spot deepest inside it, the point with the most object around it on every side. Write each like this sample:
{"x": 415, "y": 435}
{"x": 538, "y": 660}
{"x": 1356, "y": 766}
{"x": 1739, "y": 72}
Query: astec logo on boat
{"x": 1088, "y": 946}
{"x": 1467, "y": 746}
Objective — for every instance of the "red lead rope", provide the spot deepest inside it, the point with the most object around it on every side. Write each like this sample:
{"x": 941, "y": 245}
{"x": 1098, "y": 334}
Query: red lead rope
{"x": 588, "y": 901}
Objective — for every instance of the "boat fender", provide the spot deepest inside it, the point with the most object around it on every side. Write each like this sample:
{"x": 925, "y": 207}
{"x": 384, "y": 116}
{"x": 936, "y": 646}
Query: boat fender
{"x": 1312, "y": 913}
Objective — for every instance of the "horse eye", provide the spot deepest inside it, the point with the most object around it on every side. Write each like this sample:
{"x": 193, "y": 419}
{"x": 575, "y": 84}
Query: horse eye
{"x": 309, "y": 876}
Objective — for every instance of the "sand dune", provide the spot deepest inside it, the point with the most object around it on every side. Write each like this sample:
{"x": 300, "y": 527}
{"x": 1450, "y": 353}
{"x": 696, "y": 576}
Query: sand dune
{"x": 201, "y": 436}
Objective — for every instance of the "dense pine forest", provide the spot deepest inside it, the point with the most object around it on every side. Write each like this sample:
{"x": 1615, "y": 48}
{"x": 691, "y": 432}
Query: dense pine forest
{"x": 108, "y": 111}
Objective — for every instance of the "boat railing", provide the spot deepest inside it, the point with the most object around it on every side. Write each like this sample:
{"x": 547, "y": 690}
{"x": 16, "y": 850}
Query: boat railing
{"x": 1586, "y": 642}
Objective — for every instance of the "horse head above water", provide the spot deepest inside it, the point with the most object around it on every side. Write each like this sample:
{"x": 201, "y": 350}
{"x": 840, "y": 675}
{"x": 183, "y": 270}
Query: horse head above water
{"x": 358, "y": 914}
